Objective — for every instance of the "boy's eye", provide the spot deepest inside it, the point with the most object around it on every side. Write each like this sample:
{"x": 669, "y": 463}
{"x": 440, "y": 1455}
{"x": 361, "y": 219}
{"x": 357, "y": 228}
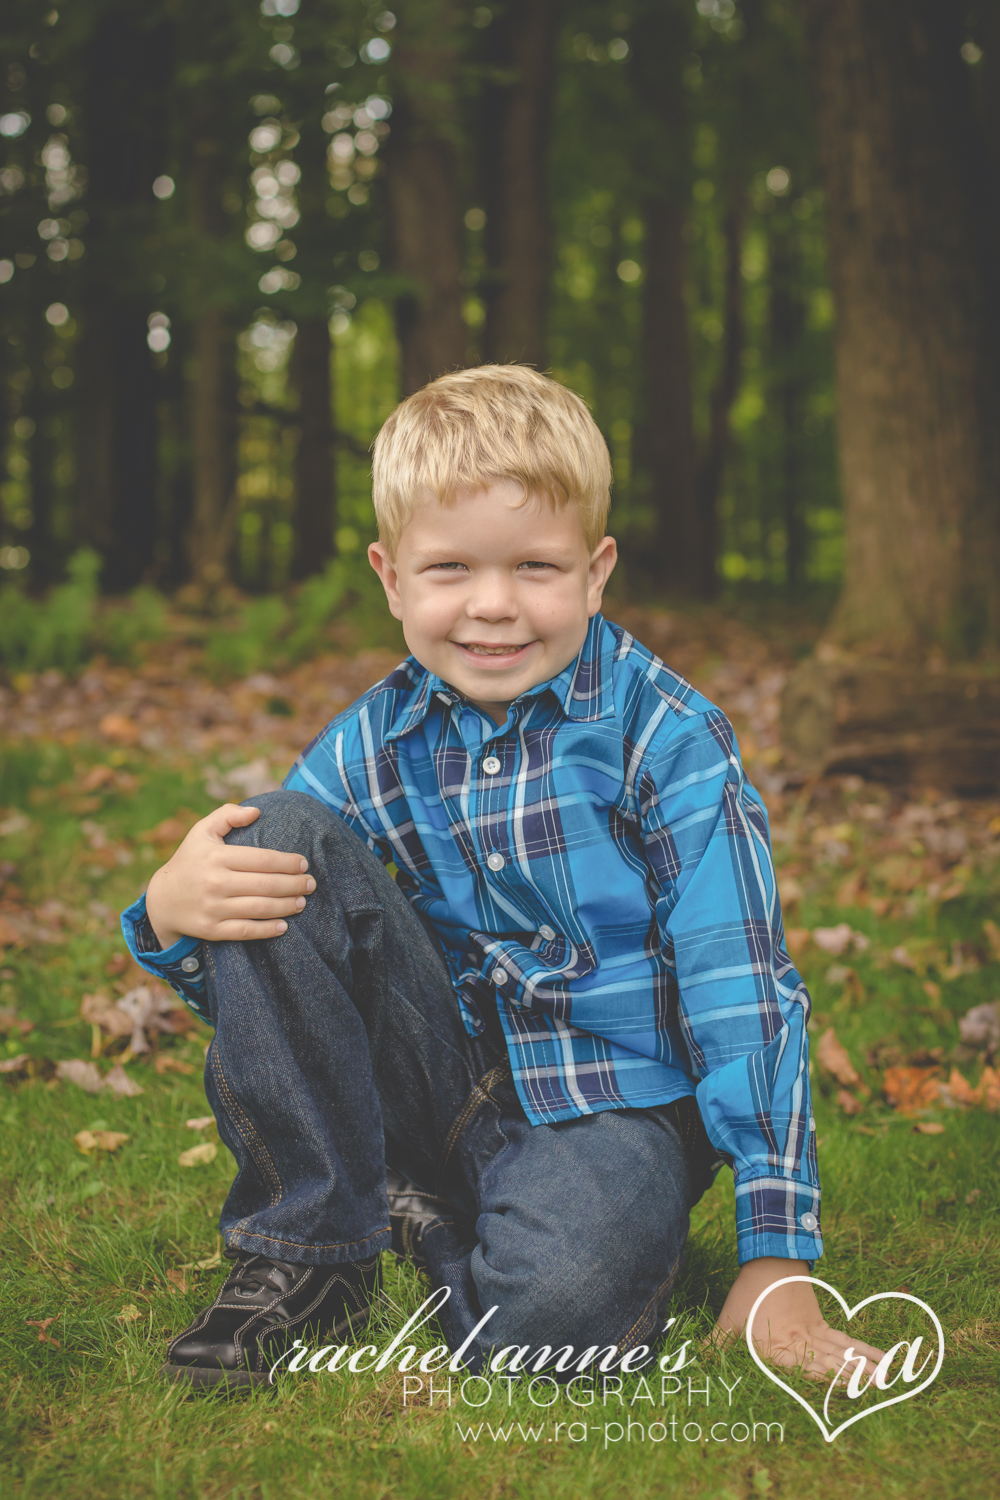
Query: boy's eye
{"x": 537, "y": 566}
{"x": 450, "y": 566}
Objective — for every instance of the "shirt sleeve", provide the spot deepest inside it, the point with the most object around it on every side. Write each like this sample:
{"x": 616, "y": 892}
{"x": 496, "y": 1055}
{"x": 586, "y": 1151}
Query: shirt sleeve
{"x": 182, "y": 965}
{"x": 743, "y": 1008}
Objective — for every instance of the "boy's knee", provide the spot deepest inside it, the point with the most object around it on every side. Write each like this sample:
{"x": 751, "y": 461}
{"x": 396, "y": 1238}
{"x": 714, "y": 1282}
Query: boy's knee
{"x": 288, "y": 821}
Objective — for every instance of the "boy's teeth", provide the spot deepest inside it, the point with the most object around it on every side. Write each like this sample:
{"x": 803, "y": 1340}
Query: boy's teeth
{"x": 492, "y": 650}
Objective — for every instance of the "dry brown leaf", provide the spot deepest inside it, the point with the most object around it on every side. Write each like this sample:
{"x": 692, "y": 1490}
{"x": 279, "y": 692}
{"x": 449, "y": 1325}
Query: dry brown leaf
{"x": 200, "y": 1122}
{"x": 960, "y": 1090}
{"x": 848, "y": 1103}
{"x": 167, "y": 1064}
{"x": 118, "y": 728}
{"x": 989, "y": 1082}
{"x": 119, "y": 1082}
{"x": 129, "y": 1314}
{"x": 98, "y": 1010}
{"x": 98, "y": 1140}
{"x": 199, "y": 1155}
{"x": 928, "y": 1127}
{"x": 831, "y": 1054}
{"x": 14, "y": 1064}
{"x": 797, "y": 939}
{"x": 9, "y": 934}
{"x": 42, "y": 1324}
{"x": 170, "y": 831}
{"x": 179, "y": 1280}
{"x": 84, "y": 1074}
{"x": 910, "y": 1090}
{"x": 96, "y": 777}
{"x": 992, "y": 932}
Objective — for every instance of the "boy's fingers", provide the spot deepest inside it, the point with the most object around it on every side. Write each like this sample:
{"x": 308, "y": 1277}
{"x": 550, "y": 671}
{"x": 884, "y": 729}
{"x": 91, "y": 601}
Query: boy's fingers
{"x": 263, "y": 861}
{"x": 248, "y": 932}
{"x": 229, "y": 884}
{"x": 260, "y": 908}
{"x": 230, "y": 815}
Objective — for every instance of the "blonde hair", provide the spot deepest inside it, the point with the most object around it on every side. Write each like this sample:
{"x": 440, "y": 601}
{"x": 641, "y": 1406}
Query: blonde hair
{"x": 469, "y": 428}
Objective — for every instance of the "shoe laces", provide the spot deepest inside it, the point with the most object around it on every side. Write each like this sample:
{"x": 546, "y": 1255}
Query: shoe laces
{"x": 253, "y": 1275}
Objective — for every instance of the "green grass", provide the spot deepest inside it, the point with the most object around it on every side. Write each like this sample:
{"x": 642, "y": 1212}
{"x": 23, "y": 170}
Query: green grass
{"x": 88, "y": 1243}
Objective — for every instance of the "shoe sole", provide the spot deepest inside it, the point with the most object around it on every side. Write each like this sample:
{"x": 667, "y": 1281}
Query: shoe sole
{"x": 203, "y": 1378}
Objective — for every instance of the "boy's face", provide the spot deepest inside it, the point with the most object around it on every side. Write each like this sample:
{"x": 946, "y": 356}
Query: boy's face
{"x": 494, "y": 594}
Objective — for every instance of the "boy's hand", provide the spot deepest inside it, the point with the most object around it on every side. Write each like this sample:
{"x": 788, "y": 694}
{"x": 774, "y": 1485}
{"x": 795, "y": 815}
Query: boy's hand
{"x": 789, "y": 1328}
{"x": 225, "y": 893}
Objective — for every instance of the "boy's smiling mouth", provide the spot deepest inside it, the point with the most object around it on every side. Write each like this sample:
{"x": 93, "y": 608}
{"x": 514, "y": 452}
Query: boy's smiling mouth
{"x": 500, "y": 655}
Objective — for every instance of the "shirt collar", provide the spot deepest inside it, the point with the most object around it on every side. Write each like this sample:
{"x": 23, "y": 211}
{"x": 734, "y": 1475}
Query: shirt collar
{"x": 584, "y": 689}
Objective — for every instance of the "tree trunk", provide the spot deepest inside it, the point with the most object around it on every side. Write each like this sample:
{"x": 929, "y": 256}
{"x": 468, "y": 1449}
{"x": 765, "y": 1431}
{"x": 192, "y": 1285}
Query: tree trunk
{"x": 213, "y": 450}
{"x": 214, "y": 429}
{"x": 122, "y": 117}
{"x": 315, "y": 496}
{"x": 787, "y": 319}
{"x": 713, "y": 466}
{"x": 918, "y": 410}
{"x": 422, "y": 192}
{"x": 516, "y": 113}
{"x": 666, "y": 444}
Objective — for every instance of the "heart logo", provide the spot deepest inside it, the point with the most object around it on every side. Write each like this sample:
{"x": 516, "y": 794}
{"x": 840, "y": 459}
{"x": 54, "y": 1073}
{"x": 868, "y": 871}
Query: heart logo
{"x": 848, "y": 1314}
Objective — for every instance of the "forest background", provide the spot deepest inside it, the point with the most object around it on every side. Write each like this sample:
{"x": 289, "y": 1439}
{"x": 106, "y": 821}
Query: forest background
{"x": 761, "y": 239}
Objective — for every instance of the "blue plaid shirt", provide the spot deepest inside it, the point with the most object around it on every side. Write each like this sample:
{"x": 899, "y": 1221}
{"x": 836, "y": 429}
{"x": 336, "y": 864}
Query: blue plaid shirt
{"x": 598, "y": 869}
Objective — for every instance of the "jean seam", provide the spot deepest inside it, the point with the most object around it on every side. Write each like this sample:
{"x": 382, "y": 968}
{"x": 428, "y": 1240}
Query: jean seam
{"x": 297, "y": 1244}
{"x": 250, "y": 1138}
{"x": 661, "y": 1289}
{"x": 479, "y": 1096}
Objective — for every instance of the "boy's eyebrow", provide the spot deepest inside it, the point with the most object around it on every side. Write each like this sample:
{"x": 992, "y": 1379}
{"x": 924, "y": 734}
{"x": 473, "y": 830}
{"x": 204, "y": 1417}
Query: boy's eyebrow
{"x": 448, "y": 553}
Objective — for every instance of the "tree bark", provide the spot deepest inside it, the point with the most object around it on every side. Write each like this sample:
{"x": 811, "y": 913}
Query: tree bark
{"x": 727, "y": 382}
{"x": 123, "y": 113}
{"x": 666, "y": 443}
{"x": 422, "y": 189}
{"x": 918, "y": 410}
{"x": 213, "y": 450}
{"x": 787, "y": 320}
{"x": 315, "y": 495}
{"x": 516, "y": 118}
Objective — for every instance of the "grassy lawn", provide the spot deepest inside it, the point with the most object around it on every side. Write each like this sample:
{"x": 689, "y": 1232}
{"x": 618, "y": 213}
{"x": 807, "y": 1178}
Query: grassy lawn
{"x": 100, "y": 1250}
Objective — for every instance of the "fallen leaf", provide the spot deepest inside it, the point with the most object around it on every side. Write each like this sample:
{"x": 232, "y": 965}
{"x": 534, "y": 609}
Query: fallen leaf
{"x": 980, "y": 1027}
{"x": 9, "y": 934}
{"x": 167, "y": 1064}
{"x": 928, "y": 1127}
{"x": 119, "y": 1082}
{"x": 178, "y": 1280}
{"x": 910, "y": 1090}
{"x": 42, "y": 1324}
{"x": 99, "y": 1140}
{"x": 84, "y": 1074}
{"x": 170, "y": 831}
{"x": 200, "y": 1122}
{"x": 992, "y": 932}
{"x": 989, "y": 1082}
{"x": 790, "y": 890}
{"x": 97, "y": 776}
{"x": 194, "y": 1157}
{"x": 14, "y": 1064}
{"x": 129, "y": 1314}
{"x": 903, "y": 957}
{"x": 848, "y": 1103}
{"x": 831, "y": 1054}
{"x": 970, "y": 1198}
{"x": 116, "y": 727}
{"x": 959, "y": 1090}
{"x": 210, "y": 1264}
{"x": 98, "y": 1010}
{"x": 796, "y": 940}
{"x": 837, "y": 940}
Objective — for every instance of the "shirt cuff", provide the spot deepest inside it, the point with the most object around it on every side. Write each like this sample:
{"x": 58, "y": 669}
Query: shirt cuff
{"x": 182, "y": 965}
{"x": 777, "y": 1216}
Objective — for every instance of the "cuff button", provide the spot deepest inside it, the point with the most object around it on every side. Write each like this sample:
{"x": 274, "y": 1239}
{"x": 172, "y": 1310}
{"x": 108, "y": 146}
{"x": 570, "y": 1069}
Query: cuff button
{"x": 191, "y": 964}
{"x": 809, "y": 1222}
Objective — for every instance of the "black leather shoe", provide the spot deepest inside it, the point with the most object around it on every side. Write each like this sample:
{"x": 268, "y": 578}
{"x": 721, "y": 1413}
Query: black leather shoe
{"x": 410, "y": 1211}
{"x": 264, "y": 1305}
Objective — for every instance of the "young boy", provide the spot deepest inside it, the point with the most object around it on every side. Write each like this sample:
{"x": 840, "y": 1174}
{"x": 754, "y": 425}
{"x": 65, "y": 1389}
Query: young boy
{"x": 573, "y": 996}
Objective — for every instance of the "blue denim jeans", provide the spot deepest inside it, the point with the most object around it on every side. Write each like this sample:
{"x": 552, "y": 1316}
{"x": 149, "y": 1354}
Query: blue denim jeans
{"x": 339, "y": 1047}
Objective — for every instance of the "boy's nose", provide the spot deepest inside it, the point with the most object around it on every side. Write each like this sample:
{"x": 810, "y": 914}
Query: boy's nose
{"x": 493, "y": 599}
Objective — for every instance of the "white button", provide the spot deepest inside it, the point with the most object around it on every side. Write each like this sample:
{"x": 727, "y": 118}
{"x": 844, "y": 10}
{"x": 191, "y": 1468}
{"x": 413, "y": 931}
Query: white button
{"x": 812, "y": 1123}
{"x": 496, "y": 861}
{"x": 809, "y": 1222}
{"x": 546, "y": 933}
{"x": 491, "y": 765}
{"x": 190, "y": 965}
{"x": 499, "y": 977}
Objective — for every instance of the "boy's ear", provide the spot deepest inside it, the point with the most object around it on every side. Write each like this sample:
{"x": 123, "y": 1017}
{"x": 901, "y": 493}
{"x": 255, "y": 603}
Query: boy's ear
{"x": 602, "y": 562}
{"x": 378, "y": 556}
